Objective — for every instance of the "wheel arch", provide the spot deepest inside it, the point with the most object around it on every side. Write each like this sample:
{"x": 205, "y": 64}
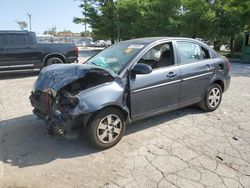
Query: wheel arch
{"x": 124, "y": 111}
{"x": 220, "y": 83}
{"x": 58, "y": 55}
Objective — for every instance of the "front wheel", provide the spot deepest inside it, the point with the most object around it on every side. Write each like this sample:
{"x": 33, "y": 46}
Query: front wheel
{"x": 107, "y": 128}
{"x": 212, "y": 98}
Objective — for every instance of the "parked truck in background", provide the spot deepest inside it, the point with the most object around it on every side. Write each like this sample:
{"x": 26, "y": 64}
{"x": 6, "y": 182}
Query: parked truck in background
{"x": 20, "y": 50}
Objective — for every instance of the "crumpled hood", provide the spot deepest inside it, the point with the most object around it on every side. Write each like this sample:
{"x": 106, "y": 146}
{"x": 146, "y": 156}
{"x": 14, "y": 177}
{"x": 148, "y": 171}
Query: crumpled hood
{"x": 55, "y": 77}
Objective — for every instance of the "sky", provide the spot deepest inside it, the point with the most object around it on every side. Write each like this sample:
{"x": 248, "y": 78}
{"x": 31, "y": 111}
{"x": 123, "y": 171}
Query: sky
{"x": 45, "y": 14}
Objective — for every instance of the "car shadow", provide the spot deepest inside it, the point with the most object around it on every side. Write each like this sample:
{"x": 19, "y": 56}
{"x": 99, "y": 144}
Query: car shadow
{"x": 162, "y": 118}
{"x": 25, "y": 140}
{"x": 18, "y": 74}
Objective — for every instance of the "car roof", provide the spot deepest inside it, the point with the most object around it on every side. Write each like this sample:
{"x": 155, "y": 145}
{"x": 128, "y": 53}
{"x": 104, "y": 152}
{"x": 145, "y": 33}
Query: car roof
{"x": 15, "y": 31}
{"x": 150, "y": 40}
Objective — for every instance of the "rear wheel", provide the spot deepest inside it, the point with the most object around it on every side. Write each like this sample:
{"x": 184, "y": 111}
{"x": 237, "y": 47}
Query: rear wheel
{"x": 53, "y": 60}
{"x": 212, "y": 98}
{"x": 107, "y": 128}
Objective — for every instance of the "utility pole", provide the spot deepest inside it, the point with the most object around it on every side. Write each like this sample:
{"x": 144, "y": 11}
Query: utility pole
{"x": 118, "y": 25}
{"x": 85, "y": 35}
{"x": 118, "y": 22}
{"x": 29, "y": 15}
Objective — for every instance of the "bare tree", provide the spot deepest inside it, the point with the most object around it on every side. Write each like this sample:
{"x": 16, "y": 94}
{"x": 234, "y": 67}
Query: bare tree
{"x": 21, "y": 24}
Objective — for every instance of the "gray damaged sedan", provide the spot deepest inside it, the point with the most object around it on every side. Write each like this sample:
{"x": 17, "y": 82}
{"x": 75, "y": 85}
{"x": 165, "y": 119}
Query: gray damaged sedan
{"x": 127, "y": 82}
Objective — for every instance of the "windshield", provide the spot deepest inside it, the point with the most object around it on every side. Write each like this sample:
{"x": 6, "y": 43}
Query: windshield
{"x": 115, "y": 57}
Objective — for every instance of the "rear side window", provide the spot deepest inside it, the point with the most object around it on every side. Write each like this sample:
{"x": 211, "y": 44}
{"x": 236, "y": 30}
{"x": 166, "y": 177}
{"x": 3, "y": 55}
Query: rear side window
{"x": 2, "y": 40}
{"x": 16, "y": 39}
{"x": 190, "y": 52}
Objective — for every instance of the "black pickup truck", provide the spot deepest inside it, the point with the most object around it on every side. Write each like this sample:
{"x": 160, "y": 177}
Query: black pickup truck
{"x": 20, "y": 50}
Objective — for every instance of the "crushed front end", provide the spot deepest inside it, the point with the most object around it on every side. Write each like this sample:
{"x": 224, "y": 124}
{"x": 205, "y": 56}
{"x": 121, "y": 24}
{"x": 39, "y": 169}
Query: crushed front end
{"x": 56, "y": 111}
{"x": 58, "y": 96}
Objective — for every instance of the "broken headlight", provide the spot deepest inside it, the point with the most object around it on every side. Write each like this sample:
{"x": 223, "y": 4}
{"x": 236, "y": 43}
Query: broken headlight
{"x": 65, "y": 99}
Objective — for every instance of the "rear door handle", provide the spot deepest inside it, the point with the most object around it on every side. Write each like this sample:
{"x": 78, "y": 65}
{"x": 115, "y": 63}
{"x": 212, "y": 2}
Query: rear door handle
{"x": 171, "y": 74}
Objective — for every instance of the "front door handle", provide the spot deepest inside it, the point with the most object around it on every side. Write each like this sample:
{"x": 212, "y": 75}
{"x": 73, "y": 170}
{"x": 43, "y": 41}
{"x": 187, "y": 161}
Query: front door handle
{"x": 171, "y": 74}
{"x": 208, "y": 66}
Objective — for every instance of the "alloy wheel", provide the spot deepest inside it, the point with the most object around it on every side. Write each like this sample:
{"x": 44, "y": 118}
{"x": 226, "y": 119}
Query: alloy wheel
{"x": 214, "y": 97}
{"x": 109, "y": 129}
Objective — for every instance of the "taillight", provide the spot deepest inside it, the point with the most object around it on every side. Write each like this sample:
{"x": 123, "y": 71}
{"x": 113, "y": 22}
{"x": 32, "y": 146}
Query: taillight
{"x": 75, "y": 50}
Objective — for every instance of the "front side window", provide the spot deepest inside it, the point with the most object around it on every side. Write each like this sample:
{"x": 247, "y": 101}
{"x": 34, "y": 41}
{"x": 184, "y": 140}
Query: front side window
{"x": 16, "y": 39}
{"x": 191, "y": 52}
{"x": 159, "y": 56}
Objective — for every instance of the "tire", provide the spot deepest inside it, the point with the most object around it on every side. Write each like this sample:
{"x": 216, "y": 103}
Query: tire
{"x": 212, "y": 98}
{"x": 53, "y": 60}
{"x": 106, "y": 128}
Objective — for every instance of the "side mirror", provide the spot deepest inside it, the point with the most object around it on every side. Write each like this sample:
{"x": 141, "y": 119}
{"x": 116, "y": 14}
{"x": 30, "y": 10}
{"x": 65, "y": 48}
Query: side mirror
{"x": 141, "y": 68}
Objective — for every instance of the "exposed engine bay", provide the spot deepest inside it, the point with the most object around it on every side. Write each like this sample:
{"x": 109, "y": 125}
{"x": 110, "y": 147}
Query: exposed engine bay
{"x": 94, "y": 78}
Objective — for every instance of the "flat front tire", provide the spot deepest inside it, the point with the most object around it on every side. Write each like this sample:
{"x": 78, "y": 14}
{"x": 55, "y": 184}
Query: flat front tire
{"x": 106, "y": 128}
{"x": 212, "y": 98}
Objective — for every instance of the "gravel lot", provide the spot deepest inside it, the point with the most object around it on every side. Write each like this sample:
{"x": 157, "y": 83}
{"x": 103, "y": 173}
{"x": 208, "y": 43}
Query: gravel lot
{"x": 184, "y": 148}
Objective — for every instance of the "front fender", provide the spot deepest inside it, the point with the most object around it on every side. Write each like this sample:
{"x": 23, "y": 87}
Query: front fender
{"x": 99, "y": 97}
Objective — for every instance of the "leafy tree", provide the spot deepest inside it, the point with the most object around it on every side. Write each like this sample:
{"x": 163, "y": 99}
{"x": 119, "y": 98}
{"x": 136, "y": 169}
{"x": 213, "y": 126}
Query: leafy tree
{"x": 215, "y": 20}
{"x": 197, "y": 18}
{"x": 102, "y": 16}
{"x": 124, "y": 19}
{"x": 232, "y": 17}
{"x": 21, "y": 24}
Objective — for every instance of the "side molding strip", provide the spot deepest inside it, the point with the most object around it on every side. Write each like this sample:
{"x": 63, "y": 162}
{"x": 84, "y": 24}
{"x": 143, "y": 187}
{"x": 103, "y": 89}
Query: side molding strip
{"x": 197, "y": 76}
{"x": 159, "y": 85}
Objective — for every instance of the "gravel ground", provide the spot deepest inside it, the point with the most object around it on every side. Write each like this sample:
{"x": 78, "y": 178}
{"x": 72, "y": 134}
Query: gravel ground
{"x": 183, "y": 148}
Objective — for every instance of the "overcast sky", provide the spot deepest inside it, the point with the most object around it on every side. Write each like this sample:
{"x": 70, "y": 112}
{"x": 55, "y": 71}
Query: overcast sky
{"x": 45, "y": 14}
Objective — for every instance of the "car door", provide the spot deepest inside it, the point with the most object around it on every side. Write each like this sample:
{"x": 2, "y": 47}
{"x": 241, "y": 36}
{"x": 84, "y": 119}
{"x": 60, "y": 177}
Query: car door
{"x": 20, "y": 53}
{"x": 196, "y": 68}
{"x": 158, "y": 90}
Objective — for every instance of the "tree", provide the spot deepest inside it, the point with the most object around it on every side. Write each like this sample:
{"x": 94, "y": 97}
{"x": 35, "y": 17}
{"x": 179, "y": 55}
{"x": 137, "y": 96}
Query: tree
{"x": 51, "y": 31}
{"x": 147, "y": 18}
{"x": 101, "y": 15}
{"x": 232, "y": 17}
{"x": 197, "y": 18}
{"x": 21, "y": 24}
{"x": 86, "y": 34}
{"x": 124, "y": 19}
{"x": 215, "y": 20}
